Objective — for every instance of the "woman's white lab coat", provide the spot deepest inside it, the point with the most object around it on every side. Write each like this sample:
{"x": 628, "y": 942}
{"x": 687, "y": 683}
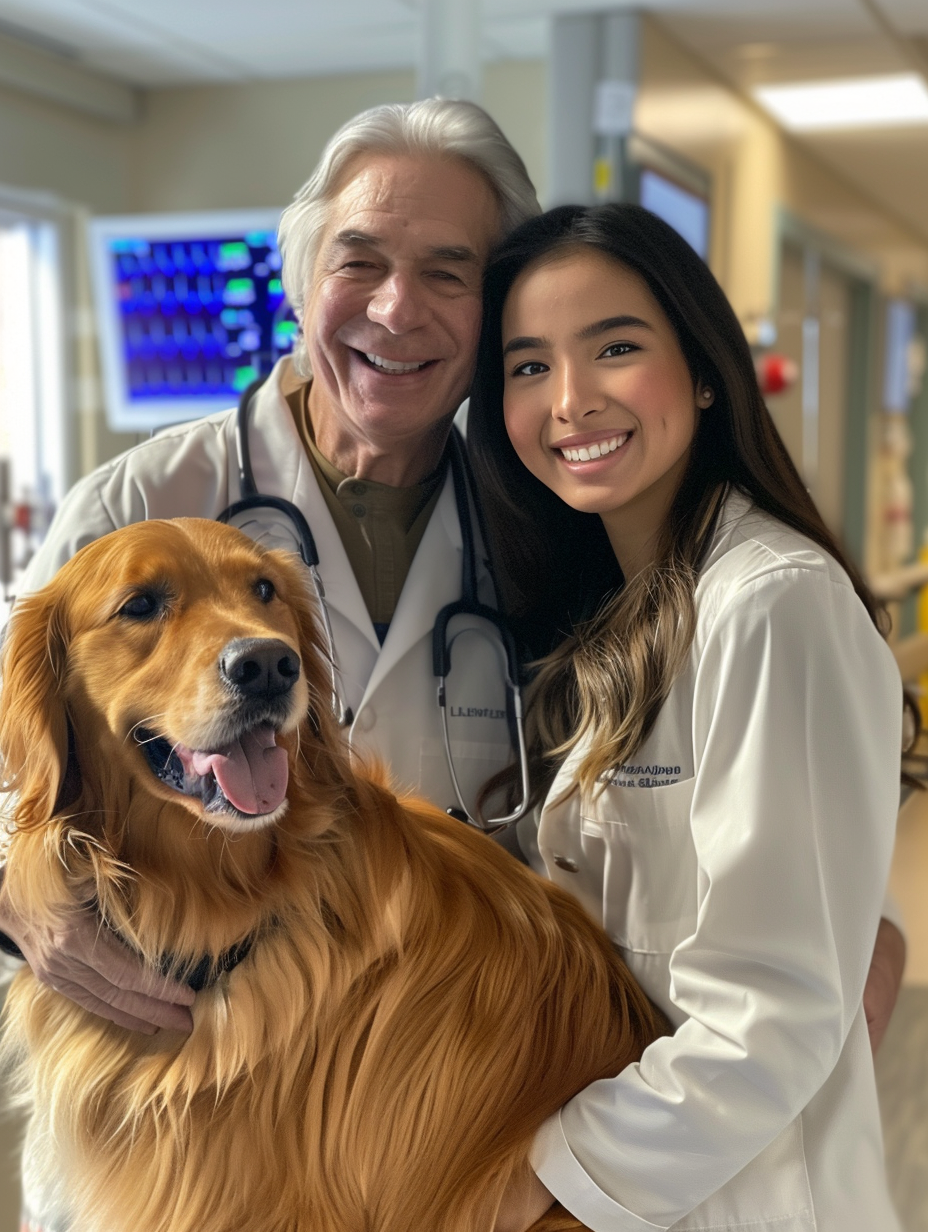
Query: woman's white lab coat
{"x": 191, "y": 471}
{"x": 739, "y": 861}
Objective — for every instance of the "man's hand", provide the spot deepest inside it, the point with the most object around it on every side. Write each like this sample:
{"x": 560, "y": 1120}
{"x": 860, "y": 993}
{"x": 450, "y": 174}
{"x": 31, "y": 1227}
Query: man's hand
{"x": 85, "y": 962}
{"x": 524, "y": 1203}
{"x": 883, "y": 980}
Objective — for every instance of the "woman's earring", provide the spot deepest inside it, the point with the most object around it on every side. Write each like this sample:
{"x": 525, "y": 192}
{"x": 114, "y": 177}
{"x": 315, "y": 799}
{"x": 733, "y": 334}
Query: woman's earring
{"x": 706, "y": 397}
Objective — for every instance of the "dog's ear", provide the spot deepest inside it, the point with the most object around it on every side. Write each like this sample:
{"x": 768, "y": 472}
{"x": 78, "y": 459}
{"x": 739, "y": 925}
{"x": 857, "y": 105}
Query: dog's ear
{"x": 36, "y": 746}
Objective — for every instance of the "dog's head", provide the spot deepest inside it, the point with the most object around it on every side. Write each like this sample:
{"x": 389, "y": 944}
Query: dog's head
{"x": 178, "y": 657}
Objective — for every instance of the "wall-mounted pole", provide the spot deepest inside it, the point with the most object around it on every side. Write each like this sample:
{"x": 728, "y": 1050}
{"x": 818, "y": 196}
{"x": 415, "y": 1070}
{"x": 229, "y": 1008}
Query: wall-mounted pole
{"x": 449, "y": 50}
{"x": 593, "y": 83}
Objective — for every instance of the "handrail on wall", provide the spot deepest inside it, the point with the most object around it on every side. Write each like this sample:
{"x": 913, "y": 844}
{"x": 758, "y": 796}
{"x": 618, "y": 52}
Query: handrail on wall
{"x": 899, "y": 583}
{"x": 911, "y": 652}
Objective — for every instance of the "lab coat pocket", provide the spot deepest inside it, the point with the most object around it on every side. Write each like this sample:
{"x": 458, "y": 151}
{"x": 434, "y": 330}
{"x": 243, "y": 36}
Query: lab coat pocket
{"x": 650, "y": 871}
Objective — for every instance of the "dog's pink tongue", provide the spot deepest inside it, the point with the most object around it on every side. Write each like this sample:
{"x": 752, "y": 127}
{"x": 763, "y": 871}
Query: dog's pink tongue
{"x": 252, "y": 772}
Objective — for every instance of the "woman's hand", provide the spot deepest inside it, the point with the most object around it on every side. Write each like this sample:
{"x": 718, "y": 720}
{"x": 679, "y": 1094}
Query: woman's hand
{"x": 524, "y": 1203}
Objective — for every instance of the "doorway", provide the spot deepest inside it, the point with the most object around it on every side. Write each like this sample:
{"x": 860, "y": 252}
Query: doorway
{"x": 33, "y": 437}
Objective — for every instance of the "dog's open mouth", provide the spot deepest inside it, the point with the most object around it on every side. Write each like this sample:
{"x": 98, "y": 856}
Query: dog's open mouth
{"x": 248, "y": 776}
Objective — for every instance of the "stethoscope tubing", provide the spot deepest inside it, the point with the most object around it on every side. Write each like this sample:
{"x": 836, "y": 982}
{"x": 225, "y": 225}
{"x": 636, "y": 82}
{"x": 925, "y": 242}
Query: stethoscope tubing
{"x": 468, "y": 605}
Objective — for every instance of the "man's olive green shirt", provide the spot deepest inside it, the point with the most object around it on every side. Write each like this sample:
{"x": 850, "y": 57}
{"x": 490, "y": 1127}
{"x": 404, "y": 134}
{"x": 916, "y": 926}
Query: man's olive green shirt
{"x": 379, "y": 526}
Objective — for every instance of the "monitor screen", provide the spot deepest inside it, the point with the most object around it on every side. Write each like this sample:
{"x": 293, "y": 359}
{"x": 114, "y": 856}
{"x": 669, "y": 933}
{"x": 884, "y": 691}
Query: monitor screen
{"x": 190, "y": 311}
{"x": 686, "y": 212}
{"x": 899, "y": 335}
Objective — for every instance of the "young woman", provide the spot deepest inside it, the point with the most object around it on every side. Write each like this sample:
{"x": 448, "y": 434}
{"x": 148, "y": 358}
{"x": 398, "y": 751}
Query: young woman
{"x": 719, "y": 735}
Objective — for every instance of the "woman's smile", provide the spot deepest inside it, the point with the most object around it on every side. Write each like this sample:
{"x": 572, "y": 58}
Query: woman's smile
{"x": 586, "y": 449}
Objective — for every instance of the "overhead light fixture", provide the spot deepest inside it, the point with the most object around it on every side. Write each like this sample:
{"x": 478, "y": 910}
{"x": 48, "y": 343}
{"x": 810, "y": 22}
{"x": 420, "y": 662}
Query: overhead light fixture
{"x": 852, "y": 102}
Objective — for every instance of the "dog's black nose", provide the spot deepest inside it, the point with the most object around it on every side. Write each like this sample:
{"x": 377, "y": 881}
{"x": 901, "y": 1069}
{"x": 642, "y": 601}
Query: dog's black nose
{"x": 259, "y": 666}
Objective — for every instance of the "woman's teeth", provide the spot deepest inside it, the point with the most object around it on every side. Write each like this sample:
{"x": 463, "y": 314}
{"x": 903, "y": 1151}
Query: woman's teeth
{"x": 391, "y": 365}
{"x": 588, "y": 452}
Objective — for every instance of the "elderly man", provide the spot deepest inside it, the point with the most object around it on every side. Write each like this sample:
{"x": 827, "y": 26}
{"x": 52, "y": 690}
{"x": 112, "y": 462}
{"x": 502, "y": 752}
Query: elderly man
{"x": 383, "y": 252}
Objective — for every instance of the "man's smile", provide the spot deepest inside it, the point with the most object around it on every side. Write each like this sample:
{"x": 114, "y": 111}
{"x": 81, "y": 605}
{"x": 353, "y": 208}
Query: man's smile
{"x": 394, "y": 365}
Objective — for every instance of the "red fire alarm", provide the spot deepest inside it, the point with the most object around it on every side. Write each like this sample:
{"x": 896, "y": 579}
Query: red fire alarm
{"x": 776, "y": 373}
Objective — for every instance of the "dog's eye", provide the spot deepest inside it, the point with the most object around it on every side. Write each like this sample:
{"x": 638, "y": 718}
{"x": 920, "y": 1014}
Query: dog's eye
{"x": 144, "y": 606}
{"x": 264, "y": 590}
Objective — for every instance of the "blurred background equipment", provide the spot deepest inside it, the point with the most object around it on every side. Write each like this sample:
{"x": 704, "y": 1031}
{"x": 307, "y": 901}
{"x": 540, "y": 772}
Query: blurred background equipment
{"x": 190, "y": 312}
{"x": 776, "y": 374}
{"x": 33, "y": 429}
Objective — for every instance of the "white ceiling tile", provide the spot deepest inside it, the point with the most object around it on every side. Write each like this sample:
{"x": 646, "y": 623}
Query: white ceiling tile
{"x": 225, "y": 40}
{"x": 99, "y": 28}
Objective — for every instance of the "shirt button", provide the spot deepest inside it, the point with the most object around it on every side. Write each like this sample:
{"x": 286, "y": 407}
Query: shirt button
{"x": 359, "y": 510}
{"x": 358, "y": 489}
{"x": 566, "y": 863}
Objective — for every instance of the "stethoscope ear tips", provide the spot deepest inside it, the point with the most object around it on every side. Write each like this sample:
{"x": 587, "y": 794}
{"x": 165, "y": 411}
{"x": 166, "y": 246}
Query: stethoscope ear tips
{"x": 457, "y": 814}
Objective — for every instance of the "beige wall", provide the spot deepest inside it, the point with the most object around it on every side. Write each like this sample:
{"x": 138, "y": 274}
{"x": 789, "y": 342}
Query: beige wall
{"x": 253, "y": 145}
{"x": 248, "y": 145}
{"x": 230, "y": 146}
{"x": 47, "y": 147}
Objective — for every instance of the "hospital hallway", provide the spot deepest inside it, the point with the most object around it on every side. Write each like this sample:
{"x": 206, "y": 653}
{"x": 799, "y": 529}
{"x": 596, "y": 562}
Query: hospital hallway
{"x": 148, "y": 154}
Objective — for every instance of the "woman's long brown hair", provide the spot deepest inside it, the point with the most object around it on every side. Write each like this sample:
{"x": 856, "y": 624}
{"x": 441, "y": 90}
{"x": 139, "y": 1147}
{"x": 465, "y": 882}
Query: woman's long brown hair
{"x": 610, "y": 652}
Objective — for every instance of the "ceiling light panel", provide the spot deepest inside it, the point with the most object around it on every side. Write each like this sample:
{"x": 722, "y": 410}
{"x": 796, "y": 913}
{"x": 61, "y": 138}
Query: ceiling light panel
{"x": 849, "y": 103}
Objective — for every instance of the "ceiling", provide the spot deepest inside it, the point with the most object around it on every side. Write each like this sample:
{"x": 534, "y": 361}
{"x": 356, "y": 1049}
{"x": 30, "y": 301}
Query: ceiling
{"x": 832, "y": 39}
{"x": 179, "y": 42}
{"x": 748, "y": 42}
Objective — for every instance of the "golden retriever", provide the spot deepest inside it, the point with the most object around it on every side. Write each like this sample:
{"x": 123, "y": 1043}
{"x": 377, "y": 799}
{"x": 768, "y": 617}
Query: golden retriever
{"x": 391, "y": 1006}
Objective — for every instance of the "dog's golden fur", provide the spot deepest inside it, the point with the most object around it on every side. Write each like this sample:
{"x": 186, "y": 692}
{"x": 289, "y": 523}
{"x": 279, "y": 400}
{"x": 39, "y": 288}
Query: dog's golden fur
{"x": 415, "y": 1002}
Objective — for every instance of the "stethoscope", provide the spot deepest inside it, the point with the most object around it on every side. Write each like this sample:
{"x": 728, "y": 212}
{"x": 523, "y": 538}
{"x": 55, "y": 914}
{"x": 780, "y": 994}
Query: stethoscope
{"x": 468, "y": 605}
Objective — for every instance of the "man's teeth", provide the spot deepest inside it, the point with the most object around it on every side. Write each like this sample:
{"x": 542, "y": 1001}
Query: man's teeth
{"x": 390, "y": 365}
{"x": 595, "y": 451}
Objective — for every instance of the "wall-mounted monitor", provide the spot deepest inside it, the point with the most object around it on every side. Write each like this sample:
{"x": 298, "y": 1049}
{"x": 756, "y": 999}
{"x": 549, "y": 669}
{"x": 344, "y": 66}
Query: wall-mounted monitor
{"x": 669, "y": 185}
{"x": 687, "y": 212}
{"x": 190, "y": 310}
{"x": 897, "y": 364}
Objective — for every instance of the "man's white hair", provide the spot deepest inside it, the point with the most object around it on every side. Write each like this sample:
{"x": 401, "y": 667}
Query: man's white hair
{"x": 434, "y": 127}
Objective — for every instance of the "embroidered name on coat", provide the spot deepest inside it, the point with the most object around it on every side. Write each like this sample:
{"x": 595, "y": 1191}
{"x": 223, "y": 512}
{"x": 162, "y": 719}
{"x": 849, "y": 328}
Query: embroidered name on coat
{"x": 476, "y": 712}
{"x": 650, "y": 775}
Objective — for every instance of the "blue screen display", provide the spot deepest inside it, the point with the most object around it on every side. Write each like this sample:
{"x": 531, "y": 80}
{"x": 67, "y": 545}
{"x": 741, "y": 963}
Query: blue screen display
{"x": 897, "y": 377}
{"x": 199, "y": 317}
{"x": 683, "y": 210}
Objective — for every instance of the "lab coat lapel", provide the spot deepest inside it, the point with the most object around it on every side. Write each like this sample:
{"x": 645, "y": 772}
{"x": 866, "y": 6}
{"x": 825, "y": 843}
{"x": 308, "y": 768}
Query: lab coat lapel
{"x": 434, "y": 579}
{"x": 282, "y": 468}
